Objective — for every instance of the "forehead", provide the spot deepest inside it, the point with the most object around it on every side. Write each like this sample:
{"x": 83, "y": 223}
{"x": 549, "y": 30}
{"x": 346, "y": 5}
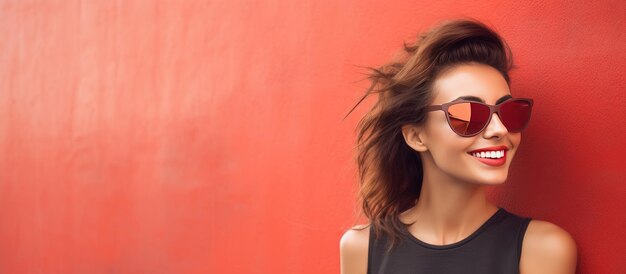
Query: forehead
{"x": 478, "y": 80}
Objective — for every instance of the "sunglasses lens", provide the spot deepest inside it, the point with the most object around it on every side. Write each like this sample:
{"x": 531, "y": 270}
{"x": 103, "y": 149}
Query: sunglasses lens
{"x": 468, "y": 118}
{"x": 515, "y": 114}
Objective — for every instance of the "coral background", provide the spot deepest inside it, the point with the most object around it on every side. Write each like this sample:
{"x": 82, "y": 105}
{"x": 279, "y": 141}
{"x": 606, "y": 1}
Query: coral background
{"x": 207, "y": 136}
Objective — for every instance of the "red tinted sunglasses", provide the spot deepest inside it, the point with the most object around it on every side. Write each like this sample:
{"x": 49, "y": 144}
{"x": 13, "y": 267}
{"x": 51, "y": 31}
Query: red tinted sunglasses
{"x": 468, "y": 118}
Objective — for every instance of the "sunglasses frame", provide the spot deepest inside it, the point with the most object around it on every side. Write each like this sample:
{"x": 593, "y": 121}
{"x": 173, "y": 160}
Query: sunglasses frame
{"x": 492, "y": 109}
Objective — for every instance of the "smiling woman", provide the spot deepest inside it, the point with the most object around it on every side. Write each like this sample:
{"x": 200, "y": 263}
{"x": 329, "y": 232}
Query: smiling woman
{"x": 444, "y": 128}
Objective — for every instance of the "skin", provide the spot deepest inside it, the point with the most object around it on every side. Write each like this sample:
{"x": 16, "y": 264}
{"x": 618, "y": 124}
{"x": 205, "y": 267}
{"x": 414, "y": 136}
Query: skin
{"x": 453, "y": 202}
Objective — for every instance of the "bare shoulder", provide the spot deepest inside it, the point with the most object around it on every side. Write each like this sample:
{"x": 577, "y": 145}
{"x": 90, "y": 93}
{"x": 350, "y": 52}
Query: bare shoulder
{"x": 353, "y": 249}
{"x": 547, "y": 248}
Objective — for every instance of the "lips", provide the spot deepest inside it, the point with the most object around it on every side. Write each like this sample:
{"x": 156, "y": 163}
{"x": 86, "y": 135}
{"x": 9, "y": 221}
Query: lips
{"x": 491, "y": 161}
{"x": 494, "y": 148}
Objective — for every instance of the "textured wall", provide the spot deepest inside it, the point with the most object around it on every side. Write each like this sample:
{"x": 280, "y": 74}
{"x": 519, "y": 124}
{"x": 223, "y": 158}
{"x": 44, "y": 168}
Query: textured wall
{"x": 206, "y": 136}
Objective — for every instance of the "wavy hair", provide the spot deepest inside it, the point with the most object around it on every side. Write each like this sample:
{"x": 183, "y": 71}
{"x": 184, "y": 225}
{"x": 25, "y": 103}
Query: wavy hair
{"x": 390, "y": 172}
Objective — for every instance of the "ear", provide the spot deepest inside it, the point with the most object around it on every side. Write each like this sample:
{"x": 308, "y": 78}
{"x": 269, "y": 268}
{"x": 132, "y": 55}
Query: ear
{"x": 414, "y": 137}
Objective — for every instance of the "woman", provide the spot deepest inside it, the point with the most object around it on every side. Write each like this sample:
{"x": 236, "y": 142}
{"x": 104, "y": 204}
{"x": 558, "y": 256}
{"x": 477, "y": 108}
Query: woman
{"x": 444, "y": 128}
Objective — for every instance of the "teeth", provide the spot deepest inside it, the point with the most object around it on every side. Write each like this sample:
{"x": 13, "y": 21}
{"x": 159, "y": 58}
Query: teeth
{"x": 489, "y": 154}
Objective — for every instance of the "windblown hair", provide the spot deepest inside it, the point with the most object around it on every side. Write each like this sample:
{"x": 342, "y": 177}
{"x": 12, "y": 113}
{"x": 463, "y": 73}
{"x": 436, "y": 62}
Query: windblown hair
{"x": 390, "y": 172}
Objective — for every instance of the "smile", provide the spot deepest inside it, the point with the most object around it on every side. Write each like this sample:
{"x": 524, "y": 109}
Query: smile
{"x": 489, "y": 154}
{"x": 491, "y": 158}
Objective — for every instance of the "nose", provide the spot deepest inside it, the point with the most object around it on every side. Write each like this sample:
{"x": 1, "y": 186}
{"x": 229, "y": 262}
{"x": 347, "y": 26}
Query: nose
{"x": 495, "y": 127}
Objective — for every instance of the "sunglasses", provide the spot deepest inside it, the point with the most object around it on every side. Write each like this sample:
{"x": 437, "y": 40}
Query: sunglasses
{"x": 468, "y": 118}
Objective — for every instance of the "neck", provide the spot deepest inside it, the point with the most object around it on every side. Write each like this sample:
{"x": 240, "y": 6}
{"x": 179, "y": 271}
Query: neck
{"x": 448, "y": 208}
{"x": 452, "y": 206}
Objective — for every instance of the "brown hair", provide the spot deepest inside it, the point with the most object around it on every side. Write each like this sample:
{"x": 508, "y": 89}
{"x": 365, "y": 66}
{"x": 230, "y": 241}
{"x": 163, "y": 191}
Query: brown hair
{"x": 390, "y": 172}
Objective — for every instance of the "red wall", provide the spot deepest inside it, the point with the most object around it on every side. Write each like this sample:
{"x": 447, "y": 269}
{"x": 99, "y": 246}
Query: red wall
{"x": 206, "y": 136}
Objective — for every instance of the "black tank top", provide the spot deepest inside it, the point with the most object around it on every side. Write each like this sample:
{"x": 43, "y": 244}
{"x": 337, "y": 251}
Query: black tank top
{"x": 495, "y": 247}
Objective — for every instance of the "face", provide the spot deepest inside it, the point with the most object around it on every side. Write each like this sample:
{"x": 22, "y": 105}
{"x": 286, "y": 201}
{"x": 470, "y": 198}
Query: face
{"x": 445, "y": 152}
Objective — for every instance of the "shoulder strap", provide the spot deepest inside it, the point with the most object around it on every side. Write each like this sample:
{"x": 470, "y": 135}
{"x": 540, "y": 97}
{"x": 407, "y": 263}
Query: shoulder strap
{"x": 370, "y": 249}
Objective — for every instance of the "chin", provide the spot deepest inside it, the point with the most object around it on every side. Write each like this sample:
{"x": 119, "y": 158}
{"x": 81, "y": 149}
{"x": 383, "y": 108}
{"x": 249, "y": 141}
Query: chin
{"x": 491, "y": 176}
{"x": 496, "y": 179}
{"x": 495, "y": 183}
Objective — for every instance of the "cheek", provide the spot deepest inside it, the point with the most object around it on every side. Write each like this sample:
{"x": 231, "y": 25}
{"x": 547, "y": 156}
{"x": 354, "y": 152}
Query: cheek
{"x": 447, "y": 147}
{"x": 442, "y": 134}
{"x": 440, "y": 131}
{"x": 516, "y": 139}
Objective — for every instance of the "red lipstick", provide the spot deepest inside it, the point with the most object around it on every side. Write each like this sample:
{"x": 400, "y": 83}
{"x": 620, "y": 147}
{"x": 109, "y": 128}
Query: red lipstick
{"x": 494, "y": 148}
{"x": 490, "y": 161}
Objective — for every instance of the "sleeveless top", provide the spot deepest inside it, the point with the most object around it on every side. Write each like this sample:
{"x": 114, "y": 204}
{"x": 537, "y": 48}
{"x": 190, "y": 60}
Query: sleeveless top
{"x": 495, "y": 247}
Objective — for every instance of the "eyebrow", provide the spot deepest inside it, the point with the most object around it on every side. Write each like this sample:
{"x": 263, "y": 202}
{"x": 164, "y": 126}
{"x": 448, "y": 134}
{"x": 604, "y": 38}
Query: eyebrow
{"x": 478, "y": 99}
